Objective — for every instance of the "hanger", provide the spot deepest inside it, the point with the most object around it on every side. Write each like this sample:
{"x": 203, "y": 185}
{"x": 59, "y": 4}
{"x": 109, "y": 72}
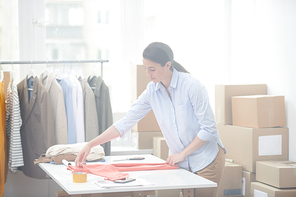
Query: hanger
{"x": 46, "y": 71}
{"x": 71, "y": 72}
{"x": 58, "y": 74}
{"x": 45, "y": 74}
{"x": 94, "y": 73}
{"x": 79, "y": 74}
{"x": 64, "y": 68}
{"x": 12, "y": 75}
{"x": 31, "y": 73}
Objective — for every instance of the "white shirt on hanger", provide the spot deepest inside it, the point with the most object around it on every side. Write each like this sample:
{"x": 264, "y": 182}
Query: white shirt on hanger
{"x": 78, "y": 108}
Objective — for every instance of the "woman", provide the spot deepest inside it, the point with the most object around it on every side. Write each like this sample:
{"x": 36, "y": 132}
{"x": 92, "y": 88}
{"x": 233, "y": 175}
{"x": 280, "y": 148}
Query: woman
{"x": 181, "y": 106}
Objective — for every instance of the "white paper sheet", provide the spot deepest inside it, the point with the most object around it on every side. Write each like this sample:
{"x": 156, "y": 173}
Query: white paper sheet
{"x": 108, "y": 184}
{"x": 270, "y": 145}
{"x": 258, "y": 193}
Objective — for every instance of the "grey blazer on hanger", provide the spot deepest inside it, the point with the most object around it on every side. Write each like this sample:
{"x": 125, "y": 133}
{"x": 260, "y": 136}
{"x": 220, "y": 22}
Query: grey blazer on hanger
{"x": 37, "y": 131}
{"x": 103, "y": 105}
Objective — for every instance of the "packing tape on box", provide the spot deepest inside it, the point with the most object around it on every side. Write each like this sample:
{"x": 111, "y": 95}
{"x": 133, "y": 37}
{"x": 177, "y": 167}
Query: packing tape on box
{"x": 79, "y": 177}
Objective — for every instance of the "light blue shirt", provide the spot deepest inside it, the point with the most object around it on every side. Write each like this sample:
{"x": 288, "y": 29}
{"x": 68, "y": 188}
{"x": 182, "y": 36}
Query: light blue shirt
{"x": 67, "y": 91}
{"x": 181, "y": 118}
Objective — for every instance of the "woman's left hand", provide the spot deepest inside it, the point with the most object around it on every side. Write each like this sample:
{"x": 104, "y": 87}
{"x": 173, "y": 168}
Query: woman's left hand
{"x": 173, "y": 159}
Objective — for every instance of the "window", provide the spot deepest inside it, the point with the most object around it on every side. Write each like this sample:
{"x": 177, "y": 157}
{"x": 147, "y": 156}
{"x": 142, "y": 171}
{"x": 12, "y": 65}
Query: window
{"x": 8, "y": 26}
{"x": 78, "y": 30}
{"x": 107, "y": 17}
{"x": 69, "y": 30}
{"x": 107, "y": 55}
{"x": 55, "y": 54}
{"x": 99, "y": 17}
{"x": 76, "y": 16}
{"x": 99, "y": 54}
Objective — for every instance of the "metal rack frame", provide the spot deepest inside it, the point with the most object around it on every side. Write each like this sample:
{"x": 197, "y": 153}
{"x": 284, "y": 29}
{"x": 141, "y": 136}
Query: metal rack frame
{"x": 57, "y": 62}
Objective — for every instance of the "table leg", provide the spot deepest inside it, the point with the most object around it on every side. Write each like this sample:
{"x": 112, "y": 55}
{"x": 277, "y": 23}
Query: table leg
{"x": 188, "y": 192}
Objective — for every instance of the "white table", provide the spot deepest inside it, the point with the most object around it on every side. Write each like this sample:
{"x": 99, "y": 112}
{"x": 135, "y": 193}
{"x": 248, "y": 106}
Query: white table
{"x": 161, "y": 179}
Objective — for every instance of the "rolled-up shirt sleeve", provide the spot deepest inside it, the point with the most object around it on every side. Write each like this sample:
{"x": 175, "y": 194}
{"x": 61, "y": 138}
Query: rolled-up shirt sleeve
{"x": 137, "y": 111}
{"x": 199, "y": 99}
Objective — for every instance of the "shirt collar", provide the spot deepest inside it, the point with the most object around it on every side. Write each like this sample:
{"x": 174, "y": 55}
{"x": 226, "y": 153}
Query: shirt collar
{"x": 174, "y": 80}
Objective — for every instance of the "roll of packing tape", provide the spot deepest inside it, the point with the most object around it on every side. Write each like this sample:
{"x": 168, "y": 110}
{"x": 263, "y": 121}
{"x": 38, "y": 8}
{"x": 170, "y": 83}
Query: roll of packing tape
{"x": 79, "y": 177}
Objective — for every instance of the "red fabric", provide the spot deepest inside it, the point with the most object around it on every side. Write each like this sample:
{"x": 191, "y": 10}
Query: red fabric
{"x": 108, "y": 171}
{"x": 143, "y": 166}
{"x": 116, "y": 171}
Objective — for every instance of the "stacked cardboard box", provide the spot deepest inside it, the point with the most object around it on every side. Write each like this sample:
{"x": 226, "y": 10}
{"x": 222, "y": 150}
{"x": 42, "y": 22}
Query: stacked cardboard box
{"x": 261, "y": 189}
{"x": 280, "y": 174}
{"x": 144, "y": 140}
{"x": 251, "y": 127}
{"x": 264, "y": 112}
{"x": 139, "y": 82}
{"x": 277, "y": 179}
{"x": 147, "y": 128}
{"x": 160, "y": 148}
{"x": 248, "y": 178}
{"x": 258, "y": 111}
{"x": 231, "y": 180}
{"x": 224, "y": 93}
{"x": 169, "y": 193}
{"x": 247, "y": 145}
{"x": 223, "y": 115}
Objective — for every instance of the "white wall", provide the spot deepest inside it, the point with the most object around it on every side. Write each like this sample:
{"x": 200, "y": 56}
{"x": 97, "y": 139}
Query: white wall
{"x": 194, "y": 29}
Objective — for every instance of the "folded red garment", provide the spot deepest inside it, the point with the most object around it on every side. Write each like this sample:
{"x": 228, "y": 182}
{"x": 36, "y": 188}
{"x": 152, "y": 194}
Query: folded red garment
{"x": 143, "y": 166}
{"x": 115, "y": 171}
{"x": 108, "y": 171}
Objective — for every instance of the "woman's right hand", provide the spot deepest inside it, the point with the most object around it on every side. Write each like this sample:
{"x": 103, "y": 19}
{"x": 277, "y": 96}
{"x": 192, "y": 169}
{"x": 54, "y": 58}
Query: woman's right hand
{"x": 81, "y": 157}
{"x": 110, "y": 134}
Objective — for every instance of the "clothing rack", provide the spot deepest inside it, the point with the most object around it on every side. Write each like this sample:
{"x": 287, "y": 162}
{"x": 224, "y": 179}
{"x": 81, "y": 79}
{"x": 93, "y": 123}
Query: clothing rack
{"x": 57, "y": 62}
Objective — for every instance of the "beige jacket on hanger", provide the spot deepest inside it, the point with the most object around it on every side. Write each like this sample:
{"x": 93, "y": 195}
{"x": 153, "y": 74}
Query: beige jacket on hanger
{"x": 37, "y": 131}
{"x": 58, "y": 107}
{"x": 91, "y": 124}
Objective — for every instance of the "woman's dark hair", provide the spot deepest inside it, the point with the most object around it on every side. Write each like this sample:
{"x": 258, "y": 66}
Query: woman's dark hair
{"x": 161, "y": 53}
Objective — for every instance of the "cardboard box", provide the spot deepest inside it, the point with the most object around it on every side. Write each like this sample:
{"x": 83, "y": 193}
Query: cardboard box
{"x": 223, "y": 94}
{"x": 231, "y": 181}
{"x": 160, "y": 148}
{"x": 248, "y": 178}
{"x": 144, "y": 140}
{"x": 139, "y": 81}
{"x": 168, "y": 193}
{"x": 62, "y": 194}
{"x": 258, "y": 111}
{"x": 247, "y": 145}
{"x": 147, "y": 123}
{"x": 280, "y": 174}
{"x": 263, "y": 190}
